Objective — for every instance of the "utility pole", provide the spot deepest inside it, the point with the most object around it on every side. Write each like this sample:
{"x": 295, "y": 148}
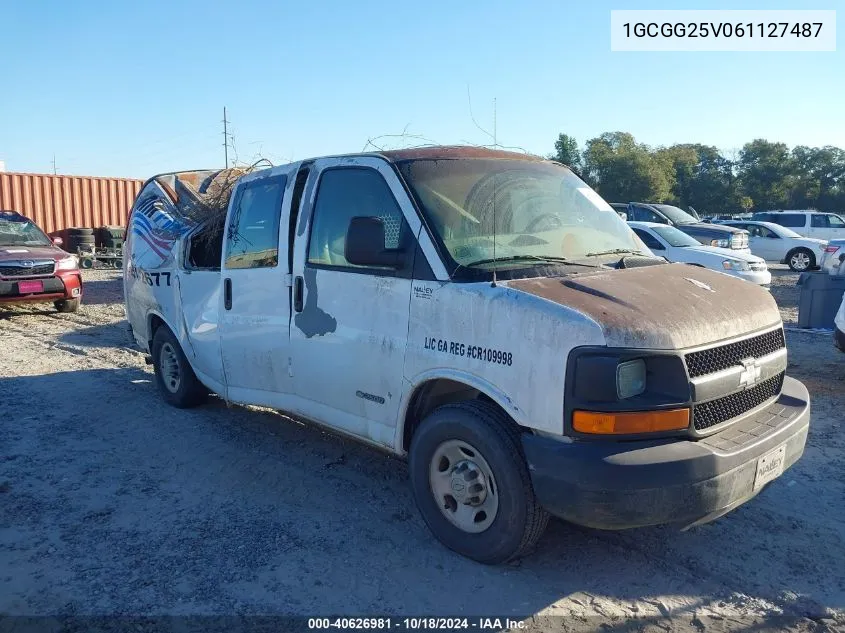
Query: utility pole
{"x": 54, "y": 164}
{"x": 495, "y": 144}
{"x": 225, "y": 138}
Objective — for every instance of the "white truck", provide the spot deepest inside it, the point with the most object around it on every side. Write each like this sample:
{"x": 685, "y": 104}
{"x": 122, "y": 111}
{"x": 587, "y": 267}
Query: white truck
{"x": 485, "y": 314}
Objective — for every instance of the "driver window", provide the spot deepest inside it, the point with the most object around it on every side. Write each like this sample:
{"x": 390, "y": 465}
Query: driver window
{"x": 342, "y": 195}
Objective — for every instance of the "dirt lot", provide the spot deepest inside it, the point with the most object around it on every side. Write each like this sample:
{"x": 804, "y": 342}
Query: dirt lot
{"x": 112, "y": 502}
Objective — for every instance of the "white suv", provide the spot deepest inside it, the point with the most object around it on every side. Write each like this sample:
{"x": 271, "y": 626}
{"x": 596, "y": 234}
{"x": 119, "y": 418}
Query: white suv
{"x": 823, "y": 226}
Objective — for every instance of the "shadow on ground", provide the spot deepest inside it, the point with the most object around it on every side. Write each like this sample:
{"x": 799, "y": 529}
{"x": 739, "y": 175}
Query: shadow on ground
{"x": 114, "y": 502}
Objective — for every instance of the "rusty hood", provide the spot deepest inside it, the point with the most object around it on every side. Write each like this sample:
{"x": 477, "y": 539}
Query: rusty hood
{"x": 672, "y": 306}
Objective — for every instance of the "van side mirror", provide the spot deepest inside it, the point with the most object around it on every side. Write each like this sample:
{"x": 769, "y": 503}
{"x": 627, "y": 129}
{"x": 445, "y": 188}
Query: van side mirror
{"x": 58, "y": 241}
{"x": 365, "y": 245}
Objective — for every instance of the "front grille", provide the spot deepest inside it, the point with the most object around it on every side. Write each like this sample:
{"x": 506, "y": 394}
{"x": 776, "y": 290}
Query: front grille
{"x": 27, "y": 271}
{"x": 715, "y": 412}
{"x": 739, "y": 240}
{"x": 708, "y": 361}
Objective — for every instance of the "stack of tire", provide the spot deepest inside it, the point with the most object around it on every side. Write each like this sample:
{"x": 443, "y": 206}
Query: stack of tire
{"x": 110, "y": 236}
{"x": 79, "y": 238}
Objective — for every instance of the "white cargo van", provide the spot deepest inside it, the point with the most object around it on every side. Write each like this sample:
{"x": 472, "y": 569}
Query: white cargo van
{"x": 484, "y": 313}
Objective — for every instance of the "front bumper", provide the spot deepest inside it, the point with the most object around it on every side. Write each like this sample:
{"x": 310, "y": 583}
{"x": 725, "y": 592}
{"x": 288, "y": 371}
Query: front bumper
{"x": 62, "y": 285}
{"x": 759, "y": 277}
{"x": 618, "y": 485}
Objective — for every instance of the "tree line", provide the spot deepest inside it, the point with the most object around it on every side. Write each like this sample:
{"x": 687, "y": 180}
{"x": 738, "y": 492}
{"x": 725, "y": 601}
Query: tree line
{"x": 761, "y": 176}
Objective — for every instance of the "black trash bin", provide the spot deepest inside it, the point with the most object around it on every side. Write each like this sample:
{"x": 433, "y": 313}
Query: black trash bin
{"x": 821, "y": 295}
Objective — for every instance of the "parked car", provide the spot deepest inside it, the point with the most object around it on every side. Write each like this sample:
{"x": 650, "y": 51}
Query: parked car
{"x": 544, "y": 362}
{"x": 839, "y": 326}
{"x": 823, "y": 226}
{"x": 33, "y": 268}
{"x": 677, "y": 246}
{"x": 833, "y": 257}
{"x": 776, "y": 243}
{"x": 705, "y": 232}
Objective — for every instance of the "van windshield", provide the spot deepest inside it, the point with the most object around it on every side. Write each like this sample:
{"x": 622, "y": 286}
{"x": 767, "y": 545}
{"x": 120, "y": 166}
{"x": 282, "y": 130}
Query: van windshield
{"x": 533, "y": 210}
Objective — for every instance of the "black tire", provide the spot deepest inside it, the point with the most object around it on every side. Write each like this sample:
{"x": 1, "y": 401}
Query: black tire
{"x": 78, "y": 230}
{"x": 187, "y": 391}
{"x": 81, "y": 240}
{"x": 67, "y": 305}
{"x": 519, "y": 521}
{"x": 798, "y": 255}
{"x": 110, "y": 237}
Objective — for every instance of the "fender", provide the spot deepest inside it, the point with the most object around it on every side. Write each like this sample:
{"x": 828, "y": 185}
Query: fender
{"x": 464, "y": 377}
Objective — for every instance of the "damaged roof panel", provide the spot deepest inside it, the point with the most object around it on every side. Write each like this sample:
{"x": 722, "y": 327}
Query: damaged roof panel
{"x": 454, "y": 151}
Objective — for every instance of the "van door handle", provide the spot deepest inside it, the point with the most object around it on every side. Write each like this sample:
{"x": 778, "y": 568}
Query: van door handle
{"x": 227, "y": 293}
{"x": 297, "y": 293}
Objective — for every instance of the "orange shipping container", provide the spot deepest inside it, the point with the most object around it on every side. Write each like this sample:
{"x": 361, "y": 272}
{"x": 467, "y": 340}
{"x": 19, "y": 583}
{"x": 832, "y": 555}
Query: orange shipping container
{"x": 56, "y": 203}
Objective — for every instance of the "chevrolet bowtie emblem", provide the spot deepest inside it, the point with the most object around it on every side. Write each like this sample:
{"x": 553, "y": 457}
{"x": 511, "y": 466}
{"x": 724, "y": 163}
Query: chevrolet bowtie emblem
{"x": 751, "y": 372}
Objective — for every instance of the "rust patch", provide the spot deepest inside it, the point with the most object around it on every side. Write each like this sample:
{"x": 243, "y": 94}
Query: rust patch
{"x": 661, "y": 307}
{"x": 455, "y": 151}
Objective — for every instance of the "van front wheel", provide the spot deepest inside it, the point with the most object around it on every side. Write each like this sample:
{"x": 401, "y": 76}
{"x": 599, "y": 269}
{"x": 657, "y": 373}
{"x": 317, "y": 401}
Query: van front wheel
{"x": 174, "y": 376}
{"x": 471, "y": 483}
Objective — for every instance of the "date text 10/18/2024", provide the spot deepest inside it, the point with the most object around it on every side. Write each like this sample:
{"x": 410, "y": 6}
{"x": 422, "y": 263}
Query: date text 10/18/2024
{"x": 416, "y": 624}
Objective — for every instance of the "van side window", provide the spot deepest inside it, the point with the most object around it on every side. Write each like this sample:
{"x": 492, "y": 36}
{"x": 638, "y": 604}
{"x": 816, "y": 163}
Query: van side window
{"x": 789, "y": 219}
{"x": 206, "y": 248}
{"x": 346, "y": 193}
{"x": 253, "y": 238}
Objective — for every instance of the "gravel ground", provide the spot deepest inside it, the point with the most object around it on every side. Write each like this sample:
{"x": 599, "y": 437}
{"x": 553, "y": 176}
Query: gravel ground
{"x": 111, "y": 502}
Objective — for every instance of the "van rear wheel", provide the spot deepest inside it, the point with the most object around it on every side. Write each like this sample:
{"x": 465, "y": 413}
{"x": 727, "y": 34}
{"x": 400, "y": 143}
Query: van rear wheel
{"x": 471, "y": 483}
{"x": 175, "y": 378}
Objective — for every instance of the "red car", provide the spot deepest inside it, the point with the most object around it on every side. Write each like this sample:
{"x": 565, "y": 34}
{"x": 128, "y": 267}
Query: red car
{"x": 34, "y": 268}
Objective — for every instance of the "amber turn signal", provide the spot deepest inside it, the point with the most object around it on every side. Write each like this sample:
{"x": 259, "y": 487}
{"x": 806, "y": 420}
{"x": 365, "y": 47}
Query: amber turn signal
{"x": 630, "y": 422}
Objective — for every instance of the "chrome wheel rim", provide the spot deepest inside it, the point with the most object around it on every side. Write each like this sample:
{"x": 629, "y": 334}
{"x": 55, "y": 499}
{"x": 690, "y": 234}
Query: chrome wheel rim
{"x": 168, "y": 365}
{"x": 801, "y": 261}
{"x": 463, "y": 486}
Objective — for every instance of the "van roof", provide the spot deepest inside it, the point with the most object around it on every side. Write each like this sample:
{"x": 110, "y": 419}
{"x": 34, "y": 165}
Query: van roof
{"x": 454, "y": 151}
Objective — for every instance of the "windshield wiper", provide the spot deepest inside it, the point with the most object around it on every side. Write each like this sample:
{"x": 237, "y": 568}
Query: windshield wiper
{"x": 533, "y": 258}
{"x": 615, "y": 251}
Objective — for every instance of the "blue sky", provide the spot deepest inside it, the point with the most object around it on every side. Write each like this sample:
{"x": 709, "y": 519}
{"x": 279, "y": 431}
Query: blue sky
{"x": 130, "y": 89}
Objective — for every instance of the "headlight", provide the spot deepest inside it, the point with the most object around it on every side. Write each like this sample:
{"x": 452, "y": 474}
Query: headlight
{"x": 735, "y": 264}
{"x": 630, "y": 379}
{"x": 68, "y": 263}
{"x": 721, "y": 243}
